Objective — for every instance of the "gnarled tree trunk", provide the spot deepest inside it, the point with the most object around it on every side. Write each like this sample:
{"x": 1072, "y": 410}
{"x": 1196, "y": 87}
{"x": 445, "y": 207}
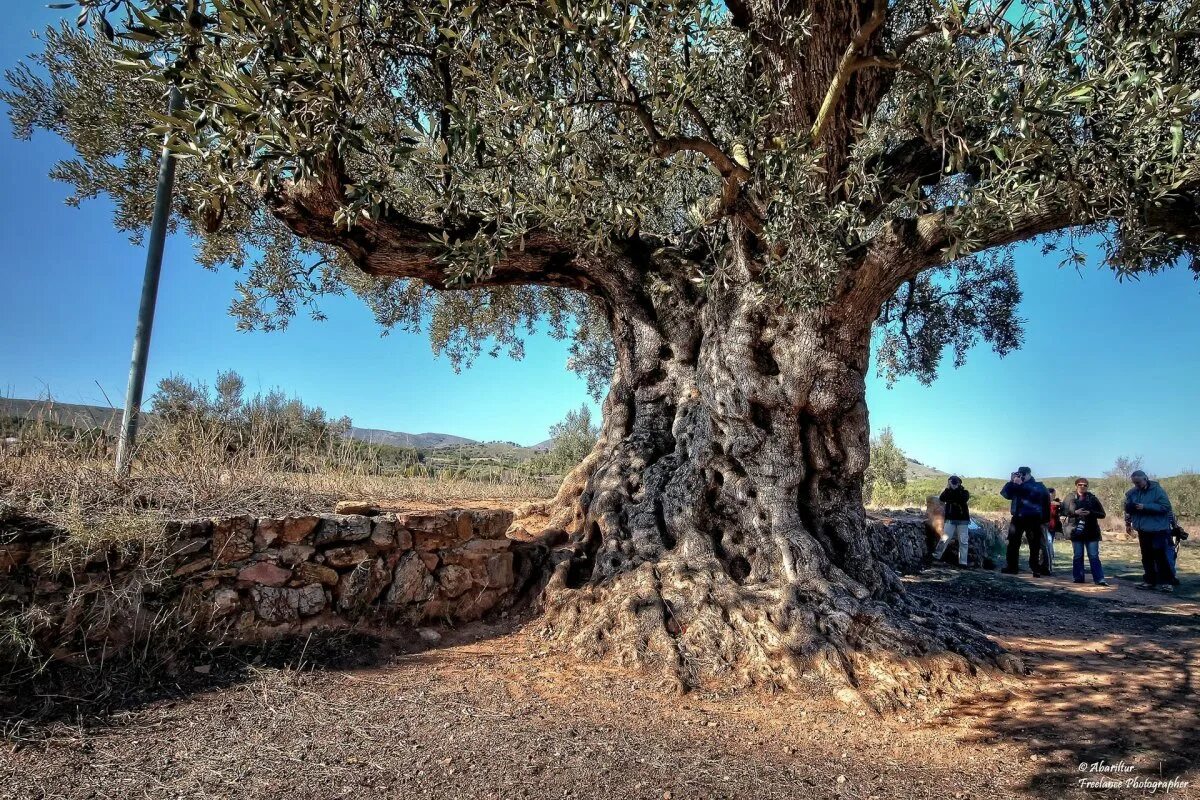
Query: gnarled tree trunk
{"x": 718, "y": 531}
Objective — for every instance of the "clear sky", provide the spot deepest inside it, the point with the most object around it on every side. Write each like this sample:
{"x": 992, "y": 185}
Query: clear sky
{"x": 1108, "y": 369}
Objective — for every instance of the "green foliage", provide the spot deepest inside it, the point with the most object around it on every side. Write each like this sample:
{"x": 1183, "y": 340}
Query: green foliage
{"x": 670, "y": 123}
{"x": 570, "y": 442}
{"x": 269, "y": 426}
{"x": 886, "y": 476}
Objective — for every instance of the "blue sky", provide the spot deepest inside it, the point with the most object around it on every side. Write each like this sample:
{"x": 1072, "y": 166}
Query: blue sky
{"x": 1108, "y": 369}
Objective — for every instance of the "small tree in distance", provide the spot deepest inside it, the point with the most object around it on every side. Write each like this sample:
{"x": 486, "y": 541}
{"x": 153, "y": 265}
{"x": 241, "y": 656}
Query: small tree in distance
{"x": 887, "y": 476}
{"x": 570, "y": 442}
{"x": 1112, "y": 486}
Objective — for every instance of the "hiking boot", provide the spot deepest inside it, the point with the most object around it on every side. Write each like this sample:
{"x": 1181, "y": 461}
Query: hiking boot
{"x": 1167, "y": 588}
{"x": 1101, "y": 583}
{"x": 1144, "y": 585}
{"x": 1080, "y": 580}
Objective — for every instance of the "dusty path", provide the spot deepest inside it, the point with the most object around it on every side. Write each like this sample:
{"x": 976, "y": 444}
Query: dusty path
{"x": 487, "y": 712}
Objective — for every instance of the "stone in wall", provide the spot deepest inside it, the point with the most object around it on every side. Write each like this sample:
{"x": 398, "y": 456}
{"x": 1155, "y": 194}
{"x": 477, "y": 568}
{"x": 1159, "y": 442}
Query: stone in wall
{"x": 454, "y": 580}
{"x": 316, "y": 573}
{"x": 264, "y": 573}
{"x": 296, "y": 530}
{"x": 232, "y": 539}
{"x": 343, "y": 557}
{"x": 412, "y": 582}
{"x": 342, "y": 528}
{"x": 359, "y": 587}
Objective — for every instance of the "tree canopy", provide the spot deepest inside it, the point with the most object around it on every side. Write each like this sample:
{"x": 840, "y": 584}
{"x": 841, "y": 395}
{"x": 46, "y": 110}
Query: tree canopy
{"x": 883, "y": 151}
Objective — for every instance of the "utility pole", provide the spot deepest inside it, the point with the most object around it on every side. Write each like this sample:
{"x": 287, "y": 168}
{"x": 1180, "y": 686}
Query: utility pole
{"x": 145, "y": 318}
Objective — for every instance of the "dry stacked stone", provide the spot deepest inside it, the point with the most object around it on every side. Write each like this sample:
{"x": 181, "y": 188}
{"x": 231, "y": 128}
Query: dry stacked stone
{"x": 258, "y": 577}
{"x": 451, "y": 565}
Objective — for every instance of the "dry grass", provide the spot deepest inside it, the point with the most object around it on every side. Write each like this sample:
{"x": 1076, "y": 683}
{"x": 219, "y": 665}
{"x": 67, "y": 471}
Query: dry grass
{"x": 193, "y": 471}
{"x": 63, "y": 494}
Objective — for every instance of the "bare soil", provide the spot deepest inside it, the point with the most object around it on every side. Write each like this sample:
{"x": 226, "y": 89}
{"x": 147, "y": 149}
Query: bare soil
{"x": 489, "y": 711}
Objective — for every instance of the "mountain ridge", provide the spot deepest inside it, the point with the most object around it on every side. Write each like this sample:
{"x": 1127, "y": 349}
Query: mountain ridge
{"x": 107, "y": 418}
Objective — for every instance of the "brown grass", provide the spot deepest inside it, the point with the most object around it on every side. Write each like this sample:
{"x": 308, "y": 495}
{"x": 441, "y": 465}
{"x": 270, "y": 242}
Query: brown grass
{"x": 193, "y": 472}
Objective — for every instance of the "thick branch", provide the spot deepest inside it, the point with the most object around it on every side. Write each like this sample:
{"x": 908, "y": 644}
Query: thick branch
{"x": 396, "y": 246}
{"x": 905, "y": 248}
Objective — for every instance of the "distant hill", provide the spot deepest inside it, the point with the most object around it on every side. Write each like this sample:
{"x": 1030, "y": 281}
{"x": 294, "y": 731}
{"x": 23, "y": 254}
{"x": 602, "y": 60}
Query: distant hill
{"x": 915, "y": 470}
{"x": 68, "y": 414}
{"x": 420, "y": 441}
{"x": 109, "y": 419}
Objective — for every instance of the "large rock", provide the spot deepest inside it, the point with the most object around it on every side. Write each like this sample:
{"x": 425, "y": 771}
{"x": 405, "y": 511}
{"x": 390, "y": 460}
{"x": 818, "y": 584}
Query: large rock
{"x": 342, "y": 528}
{"x": 474, "y": 605}
{"x": 500, "y": 571}
{"x": 192, "y": 567}
{"x": 366, "y": 508}
{"x": 898, "y": 539}
{"x": 411, "y": 582}
{"x": 435, "y": 530}
{"x": 454, "y": 580}
{"x": 387, "y": 534}
{"x": 298, "y": 529}
{"x": 488, "y": 523}
{"x": 275, "y": 604}
{"x": 232, "y": 539}
{"x": 266, "y": 574}
{"x": 266, "y": 531}
{"x": 189, "y": 547}
{"x": 361, "y": 586}
{"x": 342, "y": 557}
{"x": 294, "y": 554}
{"x": 316, "y": 573}
{"x": 225, "y": 602}
{"x": 311, "y": 600}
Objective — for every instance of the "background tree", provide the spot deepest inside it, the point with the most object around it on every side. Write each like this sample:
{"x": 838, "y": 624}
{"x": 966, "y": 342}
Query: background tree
{"x": 887, "y": 474}
{"x": 570, "y": 442}
{"x": 740, "y": 191}
{"x": 269, "y": 428}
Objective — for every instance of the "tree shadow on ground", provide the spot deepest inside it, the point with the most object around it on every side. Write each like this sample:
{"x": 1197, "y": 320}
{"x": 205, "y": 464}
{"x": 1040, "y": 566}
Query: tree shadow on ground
{"x": 1111, "y": 678}
{"x": 93, "y": 695}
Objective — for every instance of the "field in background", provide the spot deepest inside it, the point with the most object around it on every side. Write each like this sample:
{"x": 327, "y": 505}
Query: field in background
{"x": 266, "y": 456}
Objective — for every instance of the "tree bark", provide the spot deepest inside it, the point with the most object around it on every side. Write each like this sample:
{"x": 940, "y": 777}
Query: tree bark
{"x": 717, "y": 531}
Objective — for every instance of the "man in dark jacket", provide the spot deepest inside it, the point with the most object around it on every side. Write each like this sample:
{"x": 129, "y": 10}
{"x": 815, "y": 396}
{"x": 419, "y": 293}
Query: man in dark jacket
{"x": 1030, "y": 511}
{"x": 956, "y": 522}
{"x": 1083, "y": 511}
{"x": 1150, "y": 514}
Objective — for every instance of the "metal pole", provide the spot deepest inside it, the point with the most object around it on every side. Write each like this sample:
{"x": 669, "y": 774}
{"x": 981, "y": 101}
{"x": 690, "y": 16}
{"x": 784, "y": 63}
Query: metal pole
{"x": 145, "y": 319}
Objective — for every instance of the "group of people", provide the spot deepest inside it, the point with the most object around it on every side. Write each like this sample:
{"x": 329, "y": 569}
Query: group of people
{"x": 1038, "y": 517}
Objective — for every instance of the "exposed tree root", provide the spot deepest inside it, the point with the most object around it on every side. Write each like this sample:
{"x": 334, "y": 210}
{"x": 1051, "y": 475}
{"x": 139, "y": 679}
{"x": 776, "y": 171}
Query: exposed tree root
{"x": 698, "y": 627}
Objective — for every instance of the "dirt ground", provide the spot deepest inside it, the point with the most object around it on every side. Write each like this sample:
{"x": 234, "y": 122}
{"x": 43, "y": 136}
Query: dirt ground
{"x": 488, "y": 712}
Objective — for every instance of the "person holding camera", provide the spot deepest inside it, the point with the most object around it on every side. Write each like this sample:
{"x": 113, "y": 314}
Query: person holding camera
{"x": 1150, "y": 514}
{"x": 956, "y": 521}
{"x": 1084, "y": 511}
{"x": 1030, "y": 511}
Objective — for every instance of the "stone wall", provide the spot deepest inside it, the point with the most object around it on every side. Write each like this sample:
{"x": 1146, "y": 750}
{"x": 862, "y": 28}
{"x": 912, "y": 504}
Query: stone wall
{"x": 248, "y": 577}
{"x": 904, "y": 538}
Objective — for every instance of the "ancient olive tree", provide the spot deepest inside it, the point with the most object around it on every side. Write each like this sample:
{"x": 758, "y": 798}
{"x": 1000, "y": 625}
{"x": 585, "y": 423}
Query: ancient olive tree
{"x": 739, "y": 196}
